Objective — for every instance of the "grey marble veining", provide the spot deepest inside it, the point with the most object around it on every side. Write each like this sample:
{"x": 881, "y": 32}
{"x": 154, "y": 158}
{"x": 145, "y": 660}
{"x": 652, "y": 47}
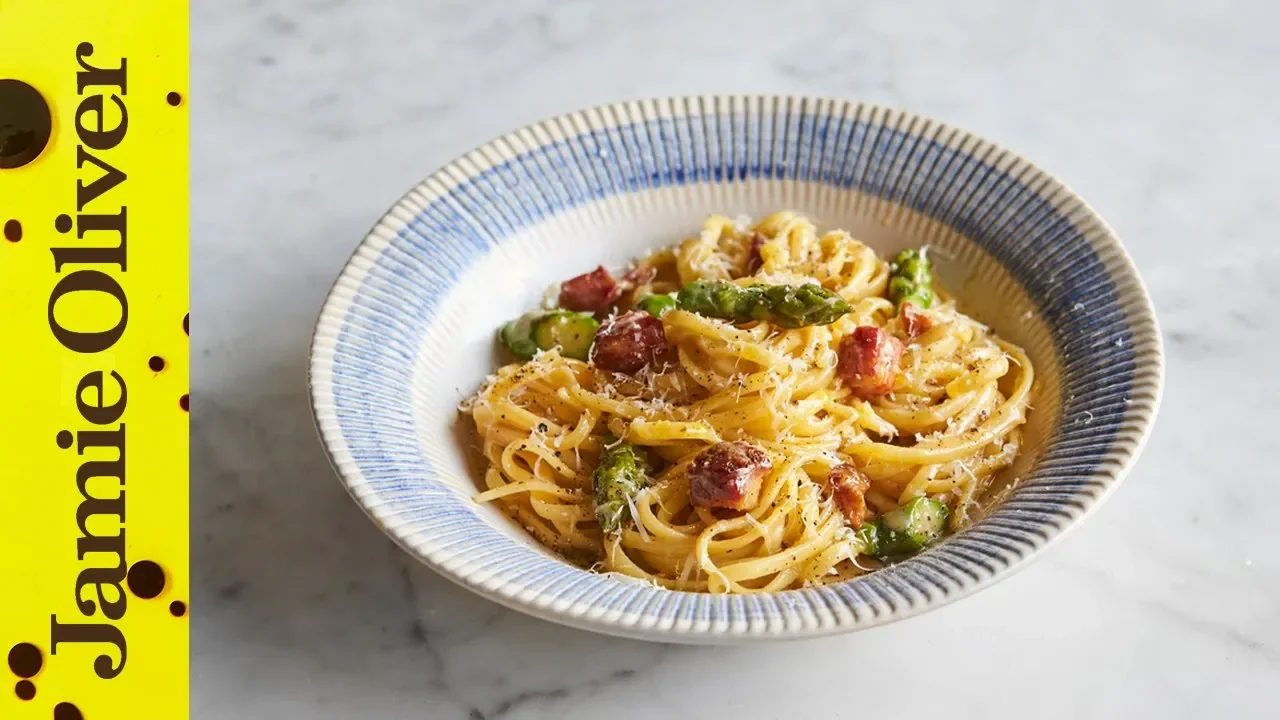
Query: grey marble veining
{"x": 310, "y": 117}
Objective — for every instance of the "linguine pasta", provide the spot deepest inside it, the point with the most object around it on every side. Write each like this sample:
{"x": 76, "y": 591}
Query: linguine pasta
{"x": 948, "y": 424}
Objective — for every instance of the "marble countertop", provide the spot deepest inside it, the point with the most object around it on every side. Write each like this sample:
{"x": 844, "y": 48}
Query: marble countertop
{"x": 310, "y": 117}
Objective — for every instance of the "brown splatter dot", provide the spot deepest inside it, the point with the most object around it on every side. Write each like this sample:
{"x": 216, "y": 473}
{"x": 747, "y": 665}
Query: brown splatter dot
{"x": 25, "y": 689}
{"x": 65, "y": 439}
{"x": 156, "y": 363}
{"x": 185, "y": 402}
{"x": 62, "y": 223}
{"x": 174, "y": 99}
{"x": 145, "y": 579}
{"x": 177, "y": 608}
{"x": 12, "y": 230}
{"x": 185, "y": 319}
{"x": 66, "y": 711}
{"x": 25, "y": 660}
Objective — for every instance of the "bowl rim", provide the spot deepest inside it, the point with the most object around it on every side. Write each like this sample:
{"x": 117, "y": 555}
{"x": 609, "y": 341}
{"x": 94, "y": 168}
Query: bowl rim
{"x": 1149, "y": 364}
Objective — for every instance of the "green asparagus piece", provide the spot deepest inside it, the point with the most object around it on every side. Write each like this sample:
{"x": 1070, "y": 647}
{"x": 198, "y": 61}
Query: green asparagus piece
{"x": 655, "y": 305}
{"x": 783, "y": 305}
{"x": 517, "y": 336}
{"x": 622, "y": 472}
{"x": 806, "y": 305}
{"x": 867, "y": 538}
{"x": 721, "y": 300}
{"x": 572, "y": 332}
{"x": 912, "y": 279}
{"x": 913, "y": 526}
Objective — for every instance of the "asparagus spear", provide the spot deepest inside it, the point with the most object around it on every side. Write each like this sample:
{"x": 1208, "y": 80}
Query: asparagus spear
{"x": 912, "y": 279}
{"x": 621, "y": 474}
{"x": 867, "y": 538}
{"x": 912, "y": 527}
{"x": 655, "y": 305}
{"x": 783, "y": 305}
{"x": 517, "y": 336}
{"x": 572, "y": 332}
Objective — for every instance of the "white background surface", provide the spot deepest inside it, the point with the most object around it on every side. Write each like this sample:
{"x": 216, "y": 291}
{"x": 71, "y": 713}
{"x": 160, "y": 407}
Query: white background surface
{"x": 310, "y": 117}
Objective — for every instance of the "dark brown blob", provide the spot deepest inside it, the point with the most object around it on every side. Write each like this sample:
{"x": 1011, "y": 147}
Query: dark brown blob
{"x": 156, "y": 363}
{"x": 185, "y": 326}
{"x": 755, "y": 260}
{"x": 728, "y": 475}
{"x": 589, "y": 292}
{"x": 66, "y": 711}
{"x": 25, "y": 660}
{"x": 25, "y": 124}
{"x": 12, "y": 230}
{"x": 914, "y": 322}
{"x": 869, "y": 359}
{"x": 25, "y": 689}
{"x": 185, "y": 403}
{"x": 145, "y": 579}
{"x": 177, "y": 608}
{"x": 174, "y": 99}
{"x": 628, "y": 342}
{"x": 849, "y": 487}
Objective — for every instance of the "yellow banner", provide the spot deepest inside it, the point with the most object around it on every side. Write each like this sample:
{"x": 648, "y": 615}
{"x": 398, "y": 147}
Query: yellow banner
{"x": 94, "y": 359}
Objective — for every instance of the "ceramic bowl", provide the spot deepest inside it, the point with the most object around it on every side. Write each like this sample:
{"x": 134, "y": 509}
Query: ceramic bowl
{"x": 408, "y": 331}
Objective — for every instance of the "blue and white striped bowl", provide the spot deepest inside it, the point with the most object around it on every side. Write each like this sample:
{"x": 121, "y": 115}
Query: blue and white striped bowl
{"x": 408, "y": 329}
